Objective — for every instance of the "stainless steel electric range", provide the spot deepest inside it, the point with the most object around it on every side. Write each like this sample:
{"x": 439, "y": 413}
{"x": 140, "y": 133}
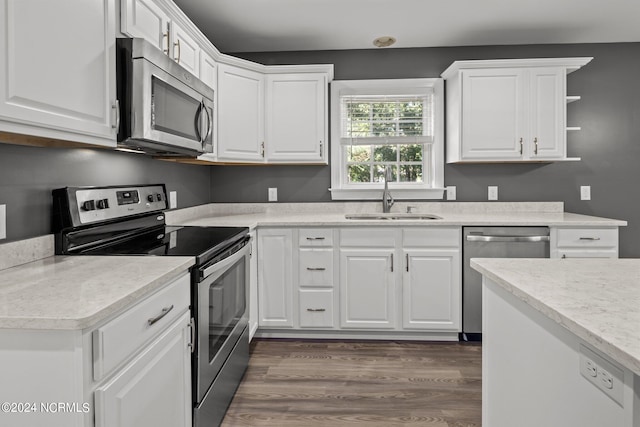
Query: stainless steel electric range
{"x": 130, "y": 220}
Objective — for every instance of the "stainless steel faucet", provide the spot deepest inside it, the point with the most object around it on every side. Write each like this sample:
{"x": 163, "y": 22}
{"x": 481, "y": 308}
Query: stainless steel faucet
{"x": 387, "y": 199}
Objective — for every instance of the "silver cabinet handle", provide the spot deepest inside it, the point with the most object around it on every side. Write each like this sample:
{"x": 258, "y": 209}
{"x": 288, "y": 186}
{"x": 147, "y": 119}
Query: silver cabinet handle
{"x": 316, "y": 310}
{"x": 262, "y": 149}
{"x": 316, "y": 268}
{"x": 521, "y": 147}
{"x": 116, "y": 107}
{"x": 483, "y": 238}
{"x": 589, "y": 238}
{"x": 315, "y": 238}
{"x": 320, "y": 149}
{"x": 407, "y": 257}
{"x": 166, "y": 51}
{"x": 392, "y": 263}
{"x": 192, "y": 327}
{"x": 535, "y": 150}
{"x": 164, "y": 312}
{"x": 177, "y": 44}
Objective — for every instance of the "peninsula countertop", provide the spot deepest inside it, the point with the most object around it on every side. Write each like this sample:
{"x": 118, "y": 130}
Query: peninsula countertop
{"x": 598, "y": 300}
{"x": 77, "y": 292}
{"x": 334, "y": 214}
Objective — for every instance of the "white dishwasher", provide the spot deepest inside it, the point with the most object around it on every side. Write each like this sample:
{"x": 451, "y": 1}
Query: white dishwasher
{"x": 493, "y": 242}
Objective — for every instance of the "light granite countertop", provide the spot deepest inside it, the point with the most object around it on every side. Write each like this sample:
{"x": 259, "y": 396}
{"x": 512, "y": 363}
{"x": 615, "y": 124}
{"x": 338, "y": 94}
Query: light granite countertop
{"x": 334, "y": 214}
{"x": 596, "y": 299}
{"x": 77, "y": 292}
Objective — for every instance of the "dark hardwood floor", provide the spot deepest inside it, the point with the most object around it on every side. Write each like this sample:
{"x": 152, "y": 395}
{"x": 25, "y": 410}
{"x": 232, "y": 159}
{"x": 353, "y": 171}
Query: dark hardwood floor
{"x": 367, "y": 383}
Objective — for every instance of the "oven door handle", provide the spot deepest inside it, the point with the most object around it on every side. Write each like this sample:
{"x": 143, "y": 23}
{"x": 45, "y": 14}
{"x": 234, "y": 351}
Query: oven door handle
{"x": 224, "y": 263}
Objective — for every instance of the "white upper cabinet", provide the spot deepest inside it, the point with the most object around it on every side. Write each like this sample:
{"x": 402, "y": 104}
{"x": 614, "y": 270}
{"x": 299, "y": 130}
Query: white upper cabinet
{"x": 185, "y": 50}
{"x": 56, "y": 83}
{"x": 240, "y": 114}
{"x": 508, "y": 110}
{"x": 146, "y": 19}
{"x": 296, "y": 118}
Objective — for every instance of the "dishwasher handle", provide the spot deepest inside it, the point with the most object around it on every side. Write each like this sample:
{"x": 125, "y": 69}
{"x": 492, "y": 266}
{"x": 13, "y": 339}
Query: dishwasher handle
{"x": 485, "y": 238}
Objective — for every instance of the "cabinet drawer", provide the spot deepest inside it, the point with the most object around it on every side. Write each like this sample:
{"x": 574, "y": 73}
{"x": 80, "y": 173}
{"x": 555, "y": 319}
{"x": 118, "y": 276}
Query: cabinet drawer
{"x": 119, "y": 339}
{"x": 316, "y": 308}
{"x": 587, "y": 237}
{"x": 586, "y": 253}
{"x": 368, "y": 237}
{"x": 315, "y": 267}
{"x": 436, "y": 236}
{"x": 315, "y": 237}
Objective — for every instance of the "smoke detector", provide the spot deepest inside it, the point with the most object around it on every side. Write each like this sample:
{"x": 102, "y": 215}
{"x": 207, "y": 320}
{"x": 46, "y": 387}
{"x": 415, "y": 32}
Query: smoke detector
{"x": 384, "y": 41}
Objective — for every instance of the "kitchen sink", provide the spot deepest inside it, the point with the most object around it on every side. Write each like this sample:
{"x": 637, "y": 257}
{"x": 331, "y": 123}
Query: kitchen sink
{"x": 390, "y": 216}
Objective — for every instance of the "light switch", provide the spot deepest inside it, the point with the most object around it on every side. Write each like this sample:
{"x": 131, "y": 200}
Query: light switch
{"x": 451, "y": 192}
{"x": 173, "y": 199}
{"x": 585, "y": 192}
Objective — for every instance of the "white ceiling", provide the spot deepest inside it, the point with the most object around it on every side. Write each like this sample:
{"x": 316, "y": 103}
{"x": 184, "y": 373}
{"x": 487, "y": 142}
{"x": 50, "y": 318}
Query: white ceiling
{"x": 284, "y": 25}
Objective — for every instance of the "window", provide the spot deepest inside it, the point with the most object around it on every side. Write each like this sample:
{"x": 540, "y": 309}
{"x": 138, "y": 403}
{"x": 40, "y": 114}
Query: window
{"x": 387, "y": 123}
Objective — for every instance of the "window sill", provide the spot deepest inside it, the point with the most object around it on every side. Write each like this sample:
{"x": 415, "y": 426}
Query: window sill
{"x": 398, "y": 194}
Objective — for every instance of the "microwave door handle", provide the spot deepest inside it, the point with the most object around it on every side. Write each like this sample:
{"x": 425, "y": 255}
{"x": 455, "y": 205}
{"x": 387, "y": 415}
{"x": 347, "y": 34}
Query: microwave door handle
{"x": 209, "y": 122}
{"x": 198, "y": 122}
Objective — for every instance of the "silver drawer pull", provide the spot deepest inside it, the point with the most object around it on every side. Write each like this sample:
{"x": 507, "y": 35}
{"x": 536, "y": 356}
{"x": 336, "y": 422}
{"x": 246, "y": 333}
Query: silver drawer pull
{"x": 315, "y": 238}
{"x": 316, "y": 268}
{"x": 164, "y": 312}
{"x": 315, "y": 310}
{"x": 589, "y": 238}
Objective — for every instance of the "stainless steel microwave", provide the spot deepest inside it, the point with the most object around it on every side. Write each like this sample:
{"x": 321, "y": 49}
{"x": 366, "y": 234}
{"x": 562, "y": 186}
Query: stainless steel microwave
{"x": 164, "y": 109}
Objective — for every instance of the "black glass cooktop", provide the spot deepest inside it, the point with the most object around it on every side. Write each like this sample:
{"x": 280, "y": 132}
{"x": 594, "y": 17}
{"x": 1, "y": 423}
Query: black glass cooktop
{"x": 201, "y": 242}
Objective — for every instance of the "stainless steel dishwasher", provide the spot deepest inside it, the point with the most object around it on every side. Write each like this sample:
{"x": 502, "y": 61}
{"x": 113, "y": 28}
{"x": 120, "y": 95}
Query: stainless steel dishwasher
{"x": 493, "y": 242}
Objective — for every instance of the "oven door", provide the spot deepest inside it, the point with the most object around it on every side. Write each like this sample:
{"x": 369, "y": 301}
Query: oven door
{"x": 222, "y": 315}
{"x": 168, "y": 114}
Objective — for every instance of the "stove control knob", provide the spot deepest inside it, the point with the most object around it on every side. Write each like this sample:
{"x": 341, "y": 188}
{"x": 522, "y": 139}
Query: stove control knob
{"x": 150, "y": 198}
{"x": 89, "y": 205}
{"x": 159, "y": 197}
{"x": 102, "y": 204}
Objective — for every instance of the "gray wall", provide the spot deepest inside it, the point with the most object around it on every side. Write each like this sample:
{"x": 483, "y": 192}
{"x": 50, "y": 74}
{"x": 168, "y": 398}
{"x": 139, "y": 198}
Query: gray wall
{"x": 28, "y": 174}
{"x": 609, "y": 114}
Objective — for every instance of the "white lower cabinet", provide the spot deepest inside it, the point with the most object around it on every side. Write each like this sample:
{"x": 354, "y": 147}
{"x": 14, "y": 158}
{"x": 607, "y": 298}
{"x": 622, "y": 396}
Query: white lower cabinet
{"x": 367, "y": 288}
{"x": 584, "y": 242}
{"x": 430, "y": 296}
{"x": 155, "y": 388}
{"x": 359, "y": 281}
{"x": 275, "y": 278}
{"x": 125, "y": 371}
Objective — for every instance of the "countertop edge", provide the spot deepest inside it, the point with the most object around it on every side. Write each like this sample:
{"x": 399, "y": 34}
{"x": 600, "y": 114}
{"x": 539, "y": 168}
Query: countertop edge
{"x": 90, "y": 321}
{"x": 620, "y": 356}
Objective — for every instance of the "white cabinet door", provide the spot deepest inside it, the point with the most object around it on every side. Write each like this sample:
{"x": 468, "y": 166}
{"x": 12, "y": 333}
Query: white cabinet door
{"x": 185, "y": 50}
{"x": 240, "y": 114}
{"x": 296, "y": 118}
{"x": 154, "y": 390}
{"x": 431, "y": 289}
{"x": 547, "y": 135}
{"x": 275, "y": 278}
{"x": 493, "y": 114}
{"x": 58, "y": 69}
{"x": 367, "y": 289}
{"x": 145, "y": 19}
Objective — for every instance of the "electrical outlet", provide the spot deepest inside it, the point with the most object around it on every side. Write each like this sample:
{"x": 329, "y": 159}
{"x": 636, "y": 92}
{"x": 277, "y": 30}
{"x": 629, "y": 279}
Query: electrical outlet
{"x": 602, "y": 374}
{"x": 451, "y": 192}
{"x": 493, "y": 192}
{"x": 273, "y": 194}
{"x": 173, "y": 199}
{"x": 585, "y": 192}
{"x": 3, "y": 221}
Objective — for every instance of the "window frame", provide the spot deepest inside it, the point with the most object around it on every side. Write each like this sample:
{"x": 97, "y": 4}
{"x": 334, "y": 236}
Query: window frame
{"x": 433, "y": 188}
